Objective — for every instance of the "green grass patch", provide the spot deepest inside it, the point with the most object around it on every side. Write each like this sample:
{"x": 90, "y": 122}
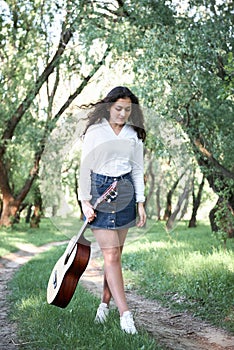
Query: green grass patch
{"x": 187, "y": 270}
{"x": 43, "y": 326}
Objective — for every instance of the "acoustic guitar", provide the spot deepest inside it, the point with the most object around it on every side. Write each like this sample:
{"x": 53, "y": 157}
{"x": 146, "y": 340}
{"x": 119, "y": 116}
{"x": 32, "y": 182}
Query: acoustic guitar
{"x": 72, "y": 264}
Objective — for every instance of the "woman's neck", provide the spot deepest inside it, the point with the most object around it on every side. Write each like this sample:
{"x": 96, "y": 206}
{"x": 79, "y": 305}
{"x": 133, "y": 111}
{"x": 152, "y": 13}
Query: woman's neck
{"x": 116, "y": 127}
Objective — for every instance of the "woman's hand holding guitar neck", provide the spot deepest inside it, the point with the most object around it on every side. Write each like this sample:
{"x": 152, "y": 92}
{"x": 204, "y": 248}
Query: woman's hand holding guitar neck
{"x": 88, "y": 210}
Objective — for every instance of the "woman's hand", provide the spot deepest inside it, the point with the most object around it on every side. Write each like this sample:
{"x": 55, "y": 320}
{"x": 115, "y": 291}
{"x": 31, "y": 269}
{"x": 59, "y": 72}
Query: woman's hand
{"x": 142, "y": 214}
{"x": 88, "y": 210}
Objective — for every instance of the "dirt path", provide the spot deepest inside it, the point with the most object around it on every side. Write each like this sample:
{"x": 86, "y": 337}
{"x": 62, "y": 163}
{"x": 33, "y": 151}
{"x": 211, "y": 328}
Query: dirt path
{"x": 174, "y": 331}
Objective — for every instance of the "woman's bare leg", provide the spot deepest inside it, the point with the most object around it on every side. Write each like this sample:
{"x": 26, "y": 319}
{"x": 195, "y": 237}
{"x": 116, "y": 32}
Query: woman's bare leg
{"x": 106, "y": 296}
{"x": 111, "y": 243}
{"x": 106, "y": 293}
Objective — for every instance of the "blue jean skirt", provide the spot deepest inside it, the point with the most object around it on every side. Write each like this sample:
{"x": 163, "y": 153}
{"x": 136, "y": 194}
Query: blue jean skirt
{"x": 120, "y": 212}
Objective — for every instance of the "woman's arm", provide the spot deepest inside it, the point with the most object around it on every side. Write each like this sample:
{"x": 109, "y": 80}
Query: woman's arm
{"x": 138, "y": 171}
{"x": 85, "y": 167}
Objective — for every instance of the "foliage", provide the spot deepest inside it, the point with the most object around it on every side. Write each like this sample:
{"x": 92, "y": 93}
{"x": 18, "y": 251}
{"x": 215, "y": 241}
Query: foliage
{"x": 47, "y": 60}
{"x": 184, "y": 71}
{"x": 182, "y": 58}
{"x": 224, "y": 220}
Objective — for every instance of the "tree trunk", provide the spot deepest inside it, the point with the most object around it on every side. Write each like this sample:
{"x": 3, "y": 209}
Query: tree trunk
{"x": 158, "y": 204}
{"x": 151, "y": 183}
{"x": 214, "y": 226}
{"x": 29, "y": 213}
{"x": 168, "y": 209}
{"x": 196, "y": 203}
{"x": 10, "y": 207}
{"x": 36, "y": 216}
{"x": 185, "y": 207}
{"x": 221, "y": 218}
{"x": 193, "y": 221}
{"x": 183, "y": 196}
{"x": 220, "y": 180}
{"x": 158, "y": 197}
{"x": 167, "y": 212}
{"x": 17, "y": 216}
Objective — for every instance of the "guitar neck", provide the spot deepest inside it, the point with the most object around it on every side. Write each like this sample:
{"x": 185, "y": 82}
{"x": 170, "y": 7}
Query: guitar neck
{"x": 83, "y": 227}
{"x": 75, "y": 241}
{"x": 81, "y": 231}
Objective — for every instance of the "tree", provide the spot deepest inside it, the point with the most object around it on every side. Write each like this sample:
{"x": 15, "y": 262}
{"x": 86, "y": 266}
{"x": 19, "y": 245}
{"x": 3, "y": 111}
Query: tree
{"x": 34, "y": 61}
{"x": 187, "y": 70}
{"x": 183, "y": 63}
{"x": 46, "y": 46}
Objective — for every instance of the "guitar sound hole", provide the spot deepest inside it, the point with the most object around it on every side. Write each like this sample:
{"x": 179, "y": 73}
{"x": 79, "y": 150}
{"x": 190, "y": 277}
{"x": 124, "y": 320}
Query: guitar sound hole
{"x": 55, "y": 280}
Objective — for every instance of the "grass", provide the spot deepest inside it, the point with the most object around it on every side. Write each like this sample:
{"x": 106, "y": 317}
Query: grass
{"x": 186, "y": 269}
{"x": 11, "y": 238}
{"x": 43, "y": 326}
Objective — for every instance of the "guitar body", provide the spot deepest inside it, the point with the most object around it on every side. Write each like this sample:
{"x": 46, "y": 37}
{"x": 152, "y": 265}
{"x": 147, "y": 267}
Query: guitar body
{"x": 67, "y": 272}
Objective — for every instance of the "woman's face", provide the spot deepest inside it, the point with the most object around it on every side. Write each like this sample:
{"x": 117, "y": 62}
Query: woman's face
{"x": 120, "y": 111}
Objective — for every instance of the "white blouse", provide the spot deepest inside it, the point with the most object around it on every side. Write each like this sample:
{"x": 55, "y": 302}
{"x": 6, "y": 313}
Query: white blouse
{"x": 106, "y": 153}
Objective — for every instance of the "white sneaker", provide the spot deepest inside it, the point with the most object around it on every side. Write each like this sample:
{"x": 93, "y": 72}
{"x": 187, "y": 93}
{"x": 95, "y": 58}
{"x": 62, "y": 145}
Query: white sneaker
{"x": 102, "y": 313}
{"x": 127, "y": 323}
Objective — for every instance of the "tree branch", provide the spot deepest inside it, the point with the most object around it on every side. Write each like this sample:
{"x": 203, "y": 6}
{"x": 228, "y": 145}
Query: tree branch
{"x": 214, "y": 161}
{"x": 82, "y": 85}
{"x": 23, "y": 107}
{"x": 28, "y": 183}
{"x": 35, "y": 168}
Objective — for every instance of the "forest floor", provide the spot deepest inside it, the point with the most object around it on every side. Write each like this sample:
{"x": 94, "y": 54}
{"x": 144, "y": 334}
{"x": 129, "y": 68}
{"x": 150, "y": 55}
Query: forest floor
{"x": 174, "y": 331}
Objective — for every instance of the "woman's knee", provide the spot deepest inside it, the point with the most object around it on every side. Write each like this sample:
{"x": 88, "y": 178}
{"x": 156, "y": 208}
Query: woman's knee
{"x": 112, "y": 255}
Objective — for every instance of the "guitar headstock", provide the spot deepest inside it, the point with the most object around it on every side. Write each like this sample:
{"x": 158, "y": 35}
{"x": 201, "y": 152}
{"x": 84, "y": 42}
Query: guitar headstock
{"x": 111, "y": 193}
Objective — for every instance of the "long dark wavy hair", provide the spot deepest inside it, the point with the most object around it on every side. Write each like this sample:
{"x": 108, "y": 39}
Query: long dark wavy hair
{"x": 102, "y": 107}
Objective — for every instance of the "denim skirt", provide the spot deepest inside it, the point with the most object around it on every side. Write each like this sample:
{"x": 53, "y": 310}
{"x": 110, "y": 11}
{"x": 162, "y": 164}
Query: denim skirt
{"x": 120, "y": 212}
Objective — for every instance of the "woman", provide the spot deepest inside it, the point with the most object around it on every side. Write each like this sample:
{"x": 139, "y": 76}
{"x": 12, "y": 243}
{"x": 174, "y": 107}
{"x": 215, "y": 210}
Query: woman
{"x": 113, "y": 151}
